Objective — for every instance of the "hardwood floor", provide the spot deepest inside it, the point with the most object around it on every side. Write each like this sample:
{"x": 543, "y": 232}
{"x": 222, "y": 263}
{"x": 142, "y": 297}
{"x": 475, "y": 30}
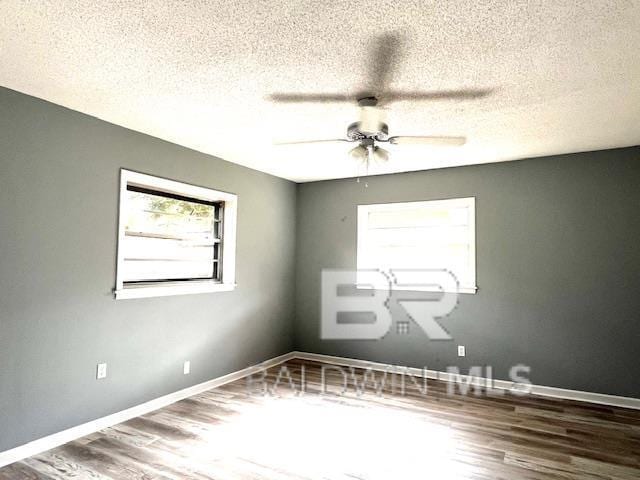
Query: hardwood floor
{"x": 335, "y": 429}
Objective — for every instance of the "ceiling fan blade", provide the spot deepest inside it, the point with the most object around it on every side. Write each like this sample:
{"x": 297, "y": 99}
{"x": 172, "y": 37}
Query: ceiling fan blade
{"x": 434, "y": 141}
{"x": 383, "y": 58}
{"x": 462, "y": 94}
{"x": 310, "y": 142}
{"x": 384, "y": 97}
{"x": 310, "y": 98}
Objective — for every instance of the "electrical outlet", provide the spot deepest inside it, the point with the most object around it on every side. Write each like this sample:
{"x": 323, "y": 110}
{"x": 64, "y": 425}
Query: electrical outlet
{"x": 186, "y": 368}
{"x": 461, "y": 351}
{"x": 101, "y": 371}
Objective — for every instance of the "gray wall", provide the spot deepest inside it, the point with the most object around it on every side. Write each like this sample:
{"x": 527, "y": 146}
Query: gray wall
{"x": 59, "y": 189}
{"x": 558, "y": 268}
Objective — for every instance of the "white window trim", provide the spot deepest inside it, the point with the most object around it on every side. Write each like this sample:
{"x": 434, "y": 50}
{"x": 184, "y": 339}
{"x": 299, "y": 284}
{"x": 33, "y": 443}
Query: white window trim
{"x": 143, "y": 290}
{"x": 363, "y": 221}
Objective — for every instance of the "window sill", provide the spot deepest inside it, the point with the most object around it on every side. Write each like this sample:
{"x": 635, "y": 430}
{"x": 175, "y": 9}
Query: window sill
{"x": 178, "y": 288}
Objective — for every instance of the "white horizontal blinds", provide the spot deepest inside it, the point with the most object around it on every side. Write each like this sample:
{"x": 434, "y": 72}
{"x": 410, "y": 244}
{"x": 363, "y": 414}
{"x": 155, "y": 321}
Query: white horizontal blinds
{"x": 169, "y": 237}
{"x": 433, "y": 235}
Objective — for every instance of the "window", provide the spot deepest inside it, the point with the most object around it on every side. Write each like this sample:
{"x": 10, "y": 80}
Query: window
{"x": 174, "y": 238}
{"x": 437, "y": 234}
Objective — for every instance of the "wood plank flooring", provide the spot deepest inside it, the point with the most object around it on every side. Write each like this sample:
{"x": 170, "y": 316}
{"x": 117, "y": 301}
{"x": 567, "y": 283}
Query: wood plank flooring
{"x": 317, "y": 422}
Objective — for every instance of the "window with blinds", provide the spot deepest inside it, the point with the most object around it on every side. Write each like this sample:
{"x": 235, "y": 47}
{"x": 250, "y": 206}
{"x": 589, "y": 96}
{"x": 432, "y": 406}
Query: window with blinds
{"x": 438, "y": 234}
{"x": 174, "y": 238}
{"x": 170, "y": 237}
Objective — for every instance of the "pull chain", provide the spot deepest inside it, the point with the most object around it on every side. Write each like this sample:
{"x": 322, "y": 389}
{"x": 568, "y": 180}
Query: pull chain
{"x": 366, "y": 164}
{"x": 366, "y": 173}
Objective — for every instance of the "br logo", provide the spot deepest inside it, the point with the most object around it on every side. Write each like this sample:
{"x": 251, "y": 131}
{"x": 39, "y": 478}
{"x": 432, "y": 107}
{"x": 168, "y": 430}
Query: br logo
{"x": 356, "y": 303}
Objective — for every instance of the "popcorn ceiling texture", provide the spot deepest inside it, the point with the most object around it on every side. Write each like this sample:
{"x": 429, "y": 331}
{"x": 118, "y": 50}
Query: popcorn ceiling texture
{"x": 565, "y": 75}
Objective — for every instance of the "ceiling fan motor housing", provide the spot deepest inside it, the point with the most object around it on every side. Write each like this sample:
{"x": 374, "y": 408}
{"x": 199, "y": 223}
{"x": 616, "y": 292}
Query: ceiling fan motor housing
{"x": 354, "y": 132}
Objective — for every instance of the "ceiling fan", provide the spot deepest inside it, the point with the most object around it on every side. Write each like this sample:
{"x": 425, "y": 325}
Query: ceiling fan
{"x": 370, "y": 130}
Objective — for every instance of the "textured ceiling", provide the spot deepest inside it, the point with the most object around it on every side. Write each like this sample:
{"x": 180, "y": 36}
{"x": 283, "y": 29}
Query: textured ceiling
{"x": 565, "y": 76}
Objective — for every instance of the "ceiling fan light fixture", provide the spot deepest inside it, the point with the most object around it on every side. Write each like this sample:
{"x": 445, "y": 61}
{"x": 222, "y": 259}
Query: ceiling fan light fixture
{"x": 380, "y": 155}
{"x": 359, "y": 153}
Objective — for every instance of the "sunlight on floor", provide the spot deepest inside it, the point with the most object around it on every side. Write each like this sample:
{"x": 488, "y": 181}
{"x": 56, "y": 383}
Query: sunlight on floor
{"x": 327, "y": 439}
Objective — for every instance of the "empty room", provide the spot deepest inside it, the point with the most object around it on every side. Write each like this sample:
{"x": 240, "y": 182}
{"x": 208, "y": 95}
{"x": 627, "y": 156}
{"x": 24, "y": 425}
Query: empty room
{"x": 319, "y": 240}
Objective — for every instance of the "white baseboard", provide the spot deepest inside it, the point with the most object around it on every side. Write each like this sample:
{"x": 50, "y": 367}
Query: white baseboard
{"x": 51, "y": 441}
{"x": 561, "y": 393}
